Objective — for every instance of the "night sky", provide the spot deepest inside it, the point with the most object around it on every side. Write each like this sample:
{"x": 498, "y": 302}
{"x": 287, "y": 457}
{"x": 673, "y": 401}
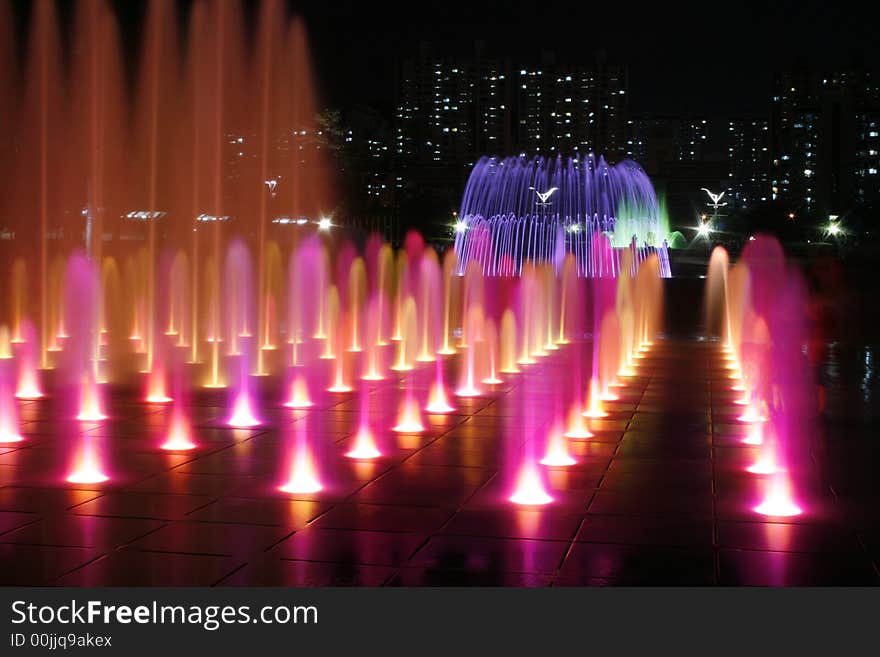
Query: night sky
{"x": 710, "y": 57}
{"x": 703, "y": 57}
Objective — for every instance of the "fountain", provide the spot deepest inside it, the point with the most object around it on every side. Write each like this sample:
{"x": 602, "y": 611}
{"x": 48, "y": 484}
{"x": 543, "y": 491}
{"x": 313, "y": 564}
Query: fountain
{"x": 518, "y": 210}
{"x": 757, "y": 307}
{"x": 189, "y": 252}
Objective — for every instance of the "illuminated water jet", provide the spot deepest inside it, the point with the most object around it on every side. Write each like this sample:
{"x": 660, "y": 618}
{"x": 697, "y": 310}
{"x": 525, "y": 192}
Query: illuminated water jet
{"x": 299, "y": 394}
{"x": 557, "y": 450}
{"x": 90, "y": 401}
{"x": 778, "y": 500}
{"x": 409, "y": 419}
{"x": 577, "y": 428}
{"x": 28, "y": 387}
{"x": 755, "y": 435}
{"x": 529, "y": 488}
{"x": 303, "y": 473}
{"x": 87, "y": 465}
{"x": 157, "y": 392}
{"x": 242, "y": 414}
{"x": 364, "y": 445}
{"x": 9, "y": 429}
{"x": 595, "y": 409}
{"x": 179, "y": 438}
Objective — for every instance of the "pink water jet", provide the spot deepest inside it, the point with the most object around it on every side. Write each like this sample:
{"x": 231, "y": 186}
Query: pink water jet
{"x": 28, "y": 387}
{"x": 242, "y": 414}
{"x": 179, "y": 438}
{"x": 87, "y": 464}
{"x": 409, "y": 419}
{"x": 90, "y": 407}
{"x": 364, "y": 445}
{"x": 303, "y": 473}
{"x": 438, "y": 403}
{"x": 9, "y": 429}
{"x": 752, "y": 415}
{"x": 530, "y": 489}
{"x": 778, "y": 499}
{"x": 755, "y": 435}
{"x": 299, "y": 393}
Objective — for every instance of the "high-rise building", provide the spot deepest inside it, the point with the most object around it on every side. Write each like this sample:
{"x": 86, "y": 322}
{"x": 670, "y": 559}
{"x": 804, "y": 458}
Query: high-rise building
{"x": 867, "y": 165}
{"x": 571, "y": 108}
{"x": 794, "y": 132}
{"x": 368, "y": 156}
{"x": 449, "y": 110}
{"x": 748, "y": 159}
{"x": 824, "y": 141}
{"x": 453, "y": 110}
{"x": 657, "y": 140}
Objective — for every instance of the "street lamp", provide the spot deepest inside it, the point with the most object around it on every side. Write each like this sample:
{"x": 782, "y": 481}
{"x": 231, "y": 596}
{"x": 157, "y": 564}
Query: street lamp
{"x": 833, "y": 227}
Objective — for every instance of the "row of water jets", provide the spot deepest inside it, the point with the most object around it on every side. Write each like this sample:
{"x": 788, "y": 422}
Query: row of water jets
{"x": 342, "y": 319}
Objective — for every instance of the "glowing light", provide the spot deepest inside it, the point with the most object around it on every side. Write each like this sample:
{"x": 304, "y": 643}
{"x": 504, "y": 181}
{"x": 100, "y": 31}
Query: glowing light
{"x": 577, "y": 428}
{"x": 530, "y": 489}
{"x": 595, "y": 409}
{"x": 764, "y": 466}
{"x": 778, "y": 498}
{"x": 459, "y": 226}
{"x": 303, "y": 476}
{"x": 756, "y": 435}
{"x": 299, "y": 394}
{"x": 703, "y": 229}
{"x": 178, "y": 439}
{"x": 364, "y": 446}
{"x": 28, "y": 387}
{"x": 88, "y": 468}
{"x": 752, "y": 415}
{"x": 437, "y": 400}
{"x": 409, "y": 420}
{"x": 242, "y": 415}
{"x": 157, "y": 393}
{"x": 492, "y": 381}
{"x": 557, "y": 450}
{"x": 9, "y": 422}
{"x": 90, "y": 403}
{"x": 325, "y": 224}
{"x": 468, "y": 390}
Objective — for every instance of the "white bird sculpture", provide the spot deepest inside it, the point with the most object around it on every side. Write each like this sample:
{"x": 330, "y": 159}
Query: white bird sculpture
{"x": 715, "y": 197}
{"x": 545, "y": 195}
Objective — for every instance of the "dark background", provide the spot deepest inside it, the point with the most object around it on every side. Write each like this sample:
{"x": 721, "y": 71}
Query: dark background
{"x": 684, "y": 56}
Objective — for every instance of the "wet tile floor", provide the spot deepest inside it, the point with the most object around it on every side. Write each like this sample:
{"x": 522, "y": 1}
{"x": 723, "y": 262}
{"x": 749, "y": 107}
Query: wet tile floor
{"x": 658, "y": 496}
